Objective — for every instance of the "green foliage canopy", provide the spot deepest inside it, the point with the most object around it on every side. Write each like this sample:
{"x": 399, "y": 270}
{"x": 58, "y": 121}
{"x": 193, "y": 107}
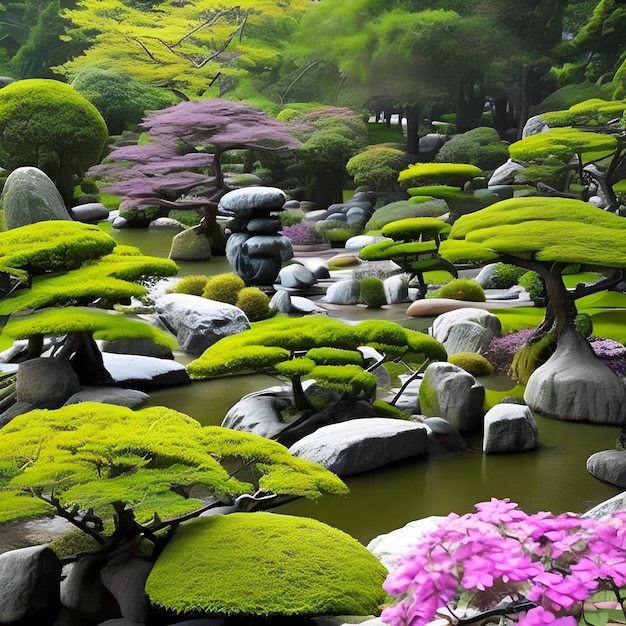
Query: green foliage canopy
{"x": 93, "y": 455}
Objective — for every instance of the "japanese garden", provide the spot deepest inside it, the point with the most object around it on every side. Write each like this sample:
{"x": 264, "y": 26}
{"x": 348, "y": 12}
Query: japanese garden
{"x": 312, "y": 312}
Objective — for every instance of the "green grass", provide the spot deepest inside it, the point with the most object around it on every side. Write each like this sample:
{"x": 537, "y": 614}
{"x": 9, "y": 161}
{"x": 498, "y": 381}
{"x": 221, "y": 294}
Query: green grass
{"x": 381, "y": 133}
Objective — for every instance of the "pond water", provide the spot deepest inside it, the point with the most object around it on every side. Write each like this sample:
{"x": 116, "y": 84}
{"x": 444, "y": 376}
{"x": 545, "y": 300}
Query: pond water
{"x": 551, "y": 478}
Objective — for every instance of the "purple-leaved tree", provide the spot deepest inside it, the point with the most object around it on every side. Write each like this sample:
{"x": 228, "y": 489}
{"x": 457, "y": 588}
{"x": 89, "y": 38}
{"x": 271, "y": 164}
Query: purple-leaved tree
{"x": 184, "y": 150}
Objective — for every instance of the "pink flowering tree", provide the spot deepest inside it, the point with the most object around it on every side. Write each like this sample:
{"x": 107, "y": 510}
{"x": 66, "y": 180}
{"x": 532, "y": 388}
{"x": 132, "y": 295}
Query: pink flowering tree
{"x": 499, "y": 561}
{"x": 184, "y": 149}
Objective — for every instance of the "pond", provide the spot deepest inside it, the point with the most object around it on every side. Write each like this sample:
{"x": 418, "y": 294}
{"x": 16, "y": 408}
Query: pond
{"x": 551, "y": 478}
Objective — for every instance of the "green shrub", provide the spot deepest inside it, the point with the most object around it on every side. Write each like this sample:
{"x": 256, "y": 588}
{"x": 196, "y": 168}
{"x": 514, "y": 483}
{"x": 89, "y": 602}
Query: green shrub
{"x": 290, "y": 217}
{"x": 73, "y": 542}
{"x": 193, "y": 284}
{"x": 372, "y": 293}
{"x": 506, "y": 275}
{"x": 223, "y": 288}
{"x": 473, "y": 363}
{"x": 335, "y": 356}
{"x": 460, "y": 289}
{"x": 254, "y": 303}
{"x": 140, "y": 215}
{"x": 377, "y": 167}
{"x": 584, "y": 324}
{"x": 402, "y": 209}
{"x": 534, "y": 285}
{"x": 481, "y": 147}
{"x": 187, "y": 217}
{"x": 335, "y": 231}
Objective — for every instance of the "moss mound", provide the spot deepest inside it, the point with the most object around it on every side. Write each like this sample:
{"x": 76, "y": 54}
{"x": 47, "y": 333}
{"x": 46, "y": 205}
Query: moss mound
{"x": 265, "y": 564}
{"x": 474, "y": 364}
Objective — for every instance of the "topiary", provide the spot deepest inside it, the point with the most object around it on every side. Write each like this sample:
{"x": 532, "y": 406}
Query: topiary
{"x": 480, "y": 146}
{"x": 456, "y": 174}
{"x": 193, "y": 284}
{"x": 460, "y": 289}
{"x": 254, "y": 303}
{"x": 288, "y": 565}
{"x": 506, "y": 275}
{"x": 377, "y": 167}
{"x": 224, "y": 288}
{"x": 372, "y": 293}
{"x": 473, "y": 363}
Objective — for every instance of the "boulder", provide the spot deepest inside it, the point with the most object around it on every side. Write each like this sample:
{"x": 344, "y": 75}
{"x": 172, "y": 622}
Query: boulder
{"x": 396, "y": 289}
{"x": 281, "y": 301}
{"x": 141, "y": 346}
{"x": 166, "y": 223}
{"x": 486, "y": 275}
{"x": 356, "y": 243}
{"x": 29, "y": 583}
{"x": 534, "y": 125}
{"x": 131, "y": 398}
{"x": 608, "y": 507}
{"x": 296, "y": 277}
{"x": 466, "y": 330}
{"x": 90, "y": 212}
{"x": 505, "y": 174}
{"x": 304, "y": 306}
{"x": 609, "y": 466}
{"x": 448, "y": 391}
{"x": 29, "y": 196}
{"x": 343, "y": 292}
{"x": 443, "y": 437}
{"x": 243, "y": 203}
{"x": 260, "y": 412}
{"x": 144, "y": 372}
{"x": 509, "y": 428}
{"x": 198, "y": 322}
{"x": 574, "y": 385}
{"x": 191, "y": 244}
{"x": 361, "y": 445}
{"x": 46, "y": 380}
{"x": 390, "y": 547}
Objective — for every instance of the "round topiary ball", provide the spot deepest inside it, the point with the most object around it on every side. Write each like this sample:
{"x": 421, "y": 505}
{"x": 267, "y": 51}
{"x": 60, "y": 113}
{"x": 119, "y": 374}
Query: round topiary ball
{"x": 254, "y": 303}
{"x": 193, "y": 284}
{"x": 224, "y": 288}
{"x": 372, "y": 293}
{"x": 462, "y": 289}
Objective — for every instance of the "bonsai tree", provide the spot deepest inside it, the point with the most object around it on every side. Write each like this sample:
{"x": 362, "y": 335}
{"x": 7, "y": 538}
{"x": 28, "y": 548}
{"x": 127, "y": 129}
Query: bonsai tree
{"x": 422, "y": 174}
{"x": 69, "y": 265}
{"x": 47, "y": 124}
{"x": 325, "y": 351}
{"x": 545, "y": 235}
{"x": 412, "y": 244}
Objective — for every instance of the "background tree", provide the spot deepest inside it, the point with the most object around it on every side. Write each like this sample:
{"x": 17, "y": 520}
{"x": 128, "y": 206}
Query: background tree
{"x": 47, "y": 124}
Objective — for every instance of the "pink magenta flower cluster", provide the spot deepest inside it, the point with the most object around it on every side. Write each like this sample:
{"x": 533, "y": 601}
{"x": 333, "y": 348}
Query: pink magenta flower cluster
{"x": 541, "y": 567}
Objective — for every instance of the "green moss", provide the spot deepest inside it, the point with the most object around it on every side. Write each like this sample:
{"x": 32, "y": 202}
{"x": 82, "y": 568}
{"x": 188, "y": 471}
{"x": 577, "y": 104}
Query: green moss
{"x": 15, "y": 505}
{"x": 223, "y": 288}
{"x": 384, "y": 409}
{"x": 534, "y": 285}
{"x": 73, "y": 542}
{"x": 473, "y": 363}
{"x": 335, "y": 356}
{"x": 530, "y": 357}
{"x": 192, "y": 284}
{"x": 265, "y": 564}
{"x": 460, "y": 289}
{"x": 415, "y": 227}
{"x": 428, "y": 400}
{"x": 404, "y": 209}
{"x": 342, "y": 262}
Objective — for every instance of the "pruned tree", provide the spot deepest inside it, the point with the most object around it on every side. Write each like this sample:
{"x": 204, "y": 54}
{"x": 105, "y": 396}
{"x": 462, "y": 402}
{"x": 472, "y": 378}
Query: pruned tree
{"x": 69, "y": 265}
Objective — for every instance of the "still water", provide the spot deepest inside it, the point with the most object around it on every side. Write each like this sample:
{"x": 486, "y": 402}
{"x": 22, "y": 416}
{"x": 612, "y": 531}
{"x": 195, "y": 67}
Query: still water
{"x": 551, "y": 478}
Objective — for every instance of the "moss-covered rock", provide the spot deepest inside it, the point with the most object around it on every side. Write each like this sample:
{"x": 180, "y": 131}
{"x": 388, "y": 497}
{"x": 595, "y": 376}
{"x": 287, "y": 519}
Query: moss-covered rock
{"x": 265, "y": 564}
{"x": 456, "y": 174}
{"x": 473, "y": 363}
{"x": 402, "y": 209}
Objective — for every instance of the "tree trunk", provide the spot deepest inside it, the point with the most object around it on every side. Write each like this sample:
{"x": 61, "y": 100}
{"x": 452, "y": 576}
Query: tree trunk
{"x": 528, "y": 77}
{"x": 412, "y": 129}
{"x": 86, "y": 359}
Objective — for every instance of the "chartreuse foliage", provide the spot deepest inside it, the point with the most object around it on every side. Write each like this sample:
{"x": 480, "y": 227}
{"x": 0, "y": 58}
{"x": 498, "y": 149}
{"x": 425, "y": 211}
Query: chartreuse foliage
{"x": 592, "y": 112}
{"x": 273, "y": 342}
{"x": 265, "y": 564}
{"x": 455, "y": 174}
{"x": 541, "y": 228}
{"x": 98, "y": 323}
{"x": 92, "y": 455}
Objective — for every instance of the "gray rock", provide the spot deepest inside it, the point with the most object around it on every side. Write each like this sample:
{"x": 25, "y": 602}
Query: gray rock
{"x": 443, "y": 437}
{"x": 466, "y": 330}
{"x": 319, "y": 215}
{"x": 390, "y": 547}
{"x": 296, "y": 276}
{"x": 361, "y": 445}
{"x": 141, "y": 346}
{"x": 608, "y": 507}
{"x": 29, "y": 582}
{"x": 319, "y": 267}
{"x": 260, "y": 412}
{"x": 356, "y": 243}
{"x": 245, "y": 202}
{"x": 505, "y": 174}
{"x": 343, "y": 292}
{"x": 339, "y": 207}
{"x": 264, "y": 225}
{"x": 281, "y": 301}
{"x": 131, "y": 398}
{"x": 574, "y": 385}
{"x": 191, "y": 244}
{"x": 299, "y": 304}
{"x": 198, "y": 322}
{"x": 609, "y": 466}
{"x": 448, "y": 391}
{"x": 396, "y": 289}
{"x": 486, "y": 276}
{"x": 166, "y": 223}
{"x": 46, "y": 380}
{"x": 534, "y": 125}
{"x": 132, "y": 370}
{"x": 510, "y": 428}
{"x": 90, "y": 212}
{"x": 357, "y": 216}
{"x": 29, "y": 196}
{"x": 120, "y": 223}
